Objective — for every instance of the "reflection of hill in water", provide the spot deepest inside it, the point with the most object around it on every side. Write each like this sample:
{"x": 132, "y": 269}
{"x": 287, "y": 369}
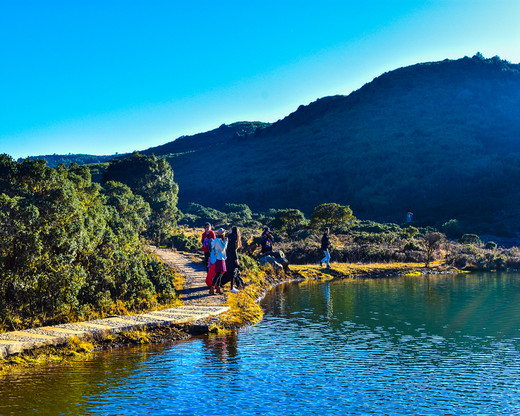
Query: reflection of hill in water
{"x": 460, "y": 308}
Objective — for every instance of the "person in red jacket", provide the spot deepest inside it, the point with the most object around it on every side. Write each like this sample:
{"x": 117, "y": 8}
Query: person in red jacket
{"x": 207, "y": 238}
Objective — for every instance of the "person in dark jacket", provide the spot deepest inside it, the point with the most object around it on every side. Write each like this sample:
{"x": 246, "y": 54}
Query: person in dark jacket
{"x": 234, "y": 243}
{"x": 267, "y": 241}
{"x": 325, "y": 245}
{"x": 207, "y": 240}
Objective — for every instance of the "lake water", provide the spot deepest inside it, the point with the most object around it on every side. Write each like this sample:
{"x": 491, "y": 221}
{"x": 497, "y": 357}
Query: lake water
{"x": 438, "y": 345}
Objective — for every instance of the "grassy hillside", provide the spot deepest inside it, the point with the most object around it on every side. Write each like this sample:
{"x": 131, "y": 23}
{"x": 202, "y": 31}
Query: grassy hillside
{"x": 439, "y": 139}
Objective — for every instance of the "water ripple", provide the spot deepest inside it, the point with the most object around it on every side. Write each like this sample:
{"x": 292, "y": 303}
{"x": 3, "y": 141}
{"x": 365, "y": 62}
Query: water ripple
{"x": 345, "y": 349}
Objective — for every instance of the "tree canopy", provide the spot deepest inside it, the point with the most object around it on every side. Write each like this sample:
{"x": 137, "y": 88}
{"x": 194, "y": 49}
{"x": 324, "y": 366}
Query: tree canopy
{"x": 69, "y": 248}
{"x": 332, "y": 215}
{"x": 152, "y": 179}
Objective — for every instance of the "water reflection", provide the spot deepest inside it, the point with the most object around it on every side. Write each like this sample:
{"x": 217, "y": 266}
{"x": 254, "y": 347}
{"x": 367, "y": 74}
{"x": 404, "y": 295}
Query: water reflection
{"x": 223, "y": 348}
{"x": 430, "y": 345}
{"x": 459, "y": 306}
{"x": 65, "y": 388}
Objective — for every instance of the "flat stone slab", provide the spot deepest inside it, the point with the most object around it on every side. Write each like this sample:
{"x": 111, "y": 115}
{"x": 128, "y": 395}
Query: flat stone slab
{"x": 18, "y": 341}
{"x": 199, "y": 307}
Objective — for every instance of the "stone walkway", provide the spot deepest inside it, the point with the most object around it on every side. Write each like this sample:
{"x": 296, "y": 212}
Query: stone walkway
{"x": 195, "y": 290}
{"x": 198, "y": 305}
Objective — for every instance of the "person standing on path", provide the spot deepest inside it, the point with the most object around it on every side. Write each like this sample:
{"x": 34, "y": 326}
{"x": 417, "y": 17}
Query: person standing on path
{"x": 208, "y": 236}
{"x": 234, "y": 243}
{"x": 325, "y": 245}
{"x": 219, "y": 246}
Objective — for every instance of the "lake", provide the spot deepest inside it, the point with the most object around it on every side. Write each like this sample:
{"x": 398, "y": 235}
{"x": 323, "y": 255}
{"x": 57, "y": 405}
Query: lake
{"x": 431, "y": 345}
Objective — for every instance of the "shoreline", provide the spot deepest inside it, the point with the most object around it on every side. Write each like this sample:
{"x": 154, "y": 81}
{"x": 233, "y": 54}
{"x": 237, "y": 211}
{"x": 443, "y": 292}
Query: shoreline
{"x": 244, "y": 312}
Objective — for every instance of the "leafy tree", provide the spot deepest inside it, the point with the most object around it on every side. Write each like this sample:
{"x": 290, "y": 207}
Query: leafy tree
{"x": 69, "y": 247}
{"x": 97, "y": 170}
{"x": 331, "y": 215}
{"x": 470, "y": 239}
{"x": 491, "y": 245}
{"x": 133, "y": 208}
{"x": 411, "y": 232}
{"x": 431, "y": 243}
{"x": 242, "y": 210}
{"x": 204, "y": 214}
{"x": 288, "y": 219}
{"x": 452, "y": 229}
{"x": 151, "y": 178}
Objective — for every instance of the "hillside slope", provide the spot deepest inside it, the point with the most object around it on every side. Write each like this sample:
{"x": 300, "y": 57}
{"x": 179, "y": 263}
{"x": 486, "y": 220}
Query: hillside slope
{"x": 439, "y": 139}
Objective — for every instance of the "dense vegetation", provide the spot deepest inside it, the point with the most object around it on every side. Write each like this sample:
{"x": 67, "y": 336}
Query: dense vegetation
{"x": 359, "y": 241}
{"x": 152, "y": 179}
{"x": 438, "y": 139}
{"x": 70, "y": 248}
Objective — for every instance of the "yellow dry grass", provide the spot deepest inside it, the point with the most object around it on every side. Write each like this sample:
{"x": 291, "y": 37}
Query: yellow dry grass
{"x": 313, "y": 271}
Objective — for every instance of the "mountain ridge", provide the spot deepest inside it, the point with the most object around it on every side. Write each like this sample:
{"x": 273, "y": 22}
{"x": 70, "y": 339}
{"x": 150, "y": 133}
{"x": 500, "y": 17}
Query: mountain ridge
{"x": 440, "y": 139}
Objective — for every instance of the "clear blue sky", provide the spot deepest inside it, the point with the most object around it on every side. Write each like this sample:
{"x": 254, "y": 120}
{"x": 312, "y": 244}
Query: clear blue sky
{"x": 99, "y": 77}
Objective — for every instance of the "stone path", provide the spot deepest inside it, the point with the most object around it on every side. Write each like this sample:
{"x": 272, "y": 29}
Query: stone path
{"x": 198, "y": 305}
{"x": 195, "y": 289}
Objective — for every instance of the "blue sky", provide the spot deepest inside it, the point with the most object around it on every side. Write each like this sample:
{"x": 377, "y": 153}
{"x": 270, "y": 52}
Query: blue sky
{"x": 100, "y": 77}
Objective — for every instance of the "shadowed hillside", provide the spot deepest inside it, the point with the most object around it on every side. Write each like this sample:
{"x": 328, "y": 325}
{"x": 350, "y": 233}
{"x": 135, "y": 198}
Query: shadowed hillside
{"x": 440, "y": 139}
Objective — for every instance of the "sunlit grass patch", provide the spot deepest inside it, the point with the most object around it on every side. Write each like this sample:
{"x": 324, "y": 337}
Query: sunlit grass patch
{"x": 244, "y": 308}
{"x": 74, "y": 348}
{"x": 136, "y": 336}
{"x": 77, "y": 345}
{"x": 313, "y": 271}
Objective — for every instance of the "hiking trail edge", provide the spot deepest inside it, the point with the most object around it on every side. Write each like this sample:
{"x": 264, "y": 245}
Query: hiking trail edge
{"x": 198, "y": 305}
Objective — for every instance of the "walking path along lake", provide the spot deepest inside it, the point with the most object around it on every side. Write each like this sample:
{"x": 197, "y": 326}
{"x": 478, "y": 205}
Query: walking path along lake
{"x": 197, "y": 306}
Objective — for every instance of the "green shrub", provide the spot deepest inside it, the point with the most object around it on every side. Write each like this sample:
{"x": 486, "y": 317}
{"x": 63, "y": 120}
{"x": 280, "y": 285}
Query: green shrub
{"x": 410, "y": 232}
{"x": 470, "y": 239}
{"x": 68, "y": 246}
{"x": 288, "y": 220}
{"x": 183, "y": 242}
{"x": 491, "y": 245}
{"x": 412, "y": 246}
{"x": 152, "y": 179}
{"x": 452, "y": 229}
{"x": 204, "y": 214}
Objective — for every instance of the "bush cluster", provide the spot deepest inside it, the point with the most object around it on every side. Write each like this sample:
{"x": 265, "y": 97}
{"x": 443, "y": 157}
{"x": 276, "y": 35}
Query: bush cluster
{"x": 359, "y": 241}
{"x": 70, "y": 248}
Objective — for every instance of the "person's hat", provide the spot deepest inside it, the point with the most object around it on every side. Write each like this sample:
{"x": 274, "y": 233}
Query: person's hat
{"x": 220, "y": 231}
